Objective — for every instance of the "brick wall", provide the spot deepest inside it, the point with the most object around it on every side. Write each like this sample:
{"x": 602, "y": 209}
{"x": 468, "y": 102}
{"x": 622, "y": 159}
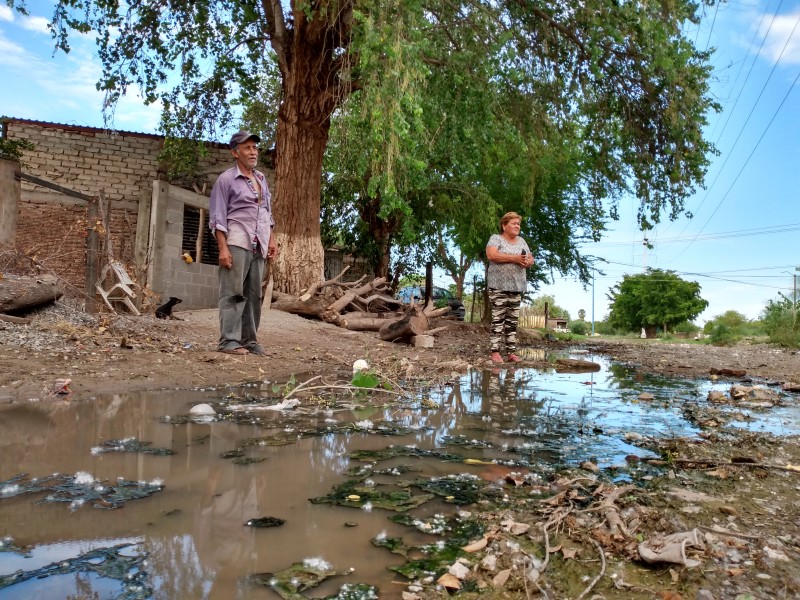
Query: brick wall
{"x": 119, "y": 165}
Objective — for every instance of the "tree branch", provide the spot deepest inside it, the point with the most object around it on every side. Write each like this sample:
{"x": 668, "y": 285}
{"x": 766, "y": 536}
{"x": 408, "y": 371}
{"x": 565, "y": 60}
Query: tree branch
{"x": 276, "y": 27}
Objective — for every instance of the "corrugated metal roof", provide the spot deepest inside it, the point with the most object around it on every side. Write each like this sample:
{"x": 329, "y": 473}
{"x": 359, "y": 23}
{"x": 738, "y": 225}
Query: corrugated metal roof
{"x": 73, "y": 128}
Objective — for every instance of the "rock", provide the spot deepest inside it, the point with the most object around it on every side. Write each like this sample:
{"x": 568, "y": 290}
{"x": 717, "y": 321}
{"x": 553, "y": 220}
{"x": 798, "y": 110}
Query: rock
{"x": 754, "y": 394}
{"x": 459, "y": 570}
{"x": 646, "y": 397}
{"x": 590, "y": 466}
{"x": 489, "y": 563}
{"x": 728, "y": 372}
{"x": 422, "y": 341}
{"x": 716, "y": 397}
{"x": 704, "y": 595}
{"x": 204, "y": 410}
{"x": 775, "y": 554}
{"x": 790, "y": 386}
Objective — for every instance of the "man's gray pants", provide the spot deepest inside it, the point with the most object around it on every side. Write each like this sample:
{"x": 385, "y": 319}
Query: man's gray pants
{"x": 240, "y": 299}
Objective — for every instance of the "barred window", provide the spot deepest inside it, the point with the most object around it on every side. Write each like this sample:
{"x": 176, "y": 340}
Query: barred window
{"x": 197, "y": 238}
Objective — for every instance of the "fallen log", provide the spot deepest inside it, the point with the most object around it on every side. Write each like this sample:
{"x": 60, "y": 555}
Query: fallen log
{"x": 414, "y": 323}
{"x": 26, "y": 293}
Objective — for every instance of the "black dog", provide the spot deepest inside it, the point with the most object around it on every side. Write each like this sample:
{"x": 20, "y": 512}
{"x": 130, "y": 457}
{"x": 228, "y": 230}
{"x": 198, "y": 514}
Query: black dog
{"x": 165, "y": 310}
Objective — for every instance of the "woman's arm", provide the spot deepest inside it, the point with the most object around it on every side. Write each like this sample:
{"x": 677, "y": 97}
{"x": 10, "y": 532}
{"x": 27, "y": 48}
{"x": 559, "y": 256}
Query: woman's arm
{"x": 494, "y": 255}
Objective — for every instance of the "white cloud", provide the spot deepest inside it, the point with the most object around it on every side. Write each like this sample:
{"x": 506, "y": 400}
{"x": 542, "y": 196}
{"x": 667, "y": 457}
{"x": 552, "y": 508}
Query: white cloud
{"x": 13, "y": 55}
{"x": 776, "y": 46}
{"x": 37, "y": 24}
{"x": 6, "y": 14}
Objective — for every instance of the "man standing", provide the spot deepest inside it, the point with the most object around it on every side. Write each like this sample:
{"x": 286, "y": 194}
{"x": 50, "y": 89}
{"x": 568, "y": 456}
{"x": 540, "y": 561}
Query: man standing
{"x": 240, "y": 215}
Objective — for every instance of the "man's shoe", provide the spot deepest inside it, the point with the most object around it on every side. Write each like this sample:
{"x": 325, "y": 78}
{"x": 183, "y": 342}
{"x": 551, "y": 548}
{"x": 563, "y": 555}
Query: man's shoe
{"x": 256, "y": 349}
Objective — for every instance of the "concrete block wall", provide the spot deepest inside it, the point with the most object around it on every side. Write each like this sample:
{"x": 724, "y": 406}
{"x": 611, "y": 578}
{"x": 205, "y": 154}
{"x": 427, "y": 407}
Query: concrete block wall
{"x": 196, "y": 284}
{"x": 122, "y": 166}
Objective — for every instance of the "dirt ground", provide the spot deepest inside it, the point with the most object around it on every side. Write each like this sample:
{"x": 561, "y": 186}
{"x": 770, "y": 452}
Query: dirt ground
{"x": 738, "y": 490}
{"x": 120, "y": 353}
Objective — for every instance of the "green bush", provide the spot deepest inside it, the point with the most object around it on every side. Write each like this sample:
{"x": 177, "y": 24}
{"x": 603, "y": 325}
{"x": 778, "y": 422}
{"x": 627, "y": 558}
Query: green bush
{"x": 781, "y": 323}
{"x": 580, "y": 327}
{"x": 685, "y": 327}
{"x": 723, "y": 335}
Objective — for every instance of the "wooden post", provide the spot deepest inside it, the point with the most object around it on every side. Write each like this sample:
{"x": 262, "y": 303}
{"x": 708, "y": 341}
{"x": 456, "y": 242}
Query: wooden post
{"x": 472, "y": 308}
{"x": 91, "y": 255}
{"x": 428, "y": 283}
{"x": 198, "y": 247}
{"x": 9, "y": 200}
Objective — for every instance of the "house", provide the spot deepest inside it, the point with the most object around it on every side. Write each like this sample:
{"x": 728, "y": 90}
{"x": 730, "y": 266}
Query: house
{"x": 152, "y": 223}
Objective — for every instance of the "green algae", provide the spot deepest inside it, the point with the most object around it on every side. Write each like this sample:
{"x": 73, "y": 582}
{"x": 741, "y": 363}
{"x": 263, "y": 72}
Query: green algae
{"x": 130, "y": 445}
{"x": 356, "y": 494}
{"x": 80, "y": 489}
{"x": 265, "y": 522}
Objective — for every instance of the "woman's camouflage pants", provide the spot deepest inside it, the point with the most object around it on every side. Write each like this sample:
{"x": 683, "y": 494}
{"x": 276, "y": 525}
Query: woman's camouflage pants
{"x": 505, "y": 316}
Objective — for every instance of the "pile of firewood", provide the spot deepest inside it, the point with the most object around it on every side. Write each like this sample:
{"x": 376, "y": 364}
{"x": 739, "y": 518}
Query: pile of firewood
{"x": 362, "y": 306}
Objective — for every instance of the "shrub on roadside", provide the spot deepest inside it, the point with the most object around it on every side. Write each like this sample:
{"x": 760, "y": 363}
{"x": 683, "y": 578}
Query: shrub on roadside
{"x": 685, "y": 327}
{"x": 580, "y": 327}
{"x": 723, "y": 335}
{"x": 781, "y": 322}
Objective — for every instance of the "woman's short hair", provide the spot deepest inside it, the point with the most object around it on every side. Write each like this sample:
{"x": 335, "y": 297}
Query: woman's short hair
{"x": 508, "y": 217}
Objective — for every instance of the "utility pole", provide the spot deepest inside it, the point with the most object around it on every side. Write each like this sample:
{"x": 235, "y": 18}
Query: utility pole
{"x": 592, "y": 302}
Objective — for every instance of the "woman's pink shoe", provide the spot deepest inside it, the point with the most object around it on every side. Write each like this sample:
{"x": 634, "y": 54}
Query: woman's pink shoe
{"x": 514, "y": 358}
{"x": 496, "y": 358}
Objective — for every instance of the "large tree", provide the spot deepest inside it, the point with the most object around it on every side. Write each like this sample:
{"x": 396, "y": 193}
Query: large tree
{"x": 654, "y": 299}
{"x": 617, "y": 85}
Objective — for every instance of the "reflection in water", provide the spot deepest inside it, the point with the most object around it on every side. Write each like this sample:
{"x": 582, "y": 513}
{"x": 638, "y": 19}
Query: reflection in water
{"x": 193, "y": 531}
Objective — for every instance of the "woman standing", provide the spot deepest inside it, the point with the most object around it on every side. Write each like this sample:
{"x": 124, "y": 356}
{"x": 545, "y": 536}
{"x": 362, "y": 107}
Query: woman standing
{"x": 508, "y": 256}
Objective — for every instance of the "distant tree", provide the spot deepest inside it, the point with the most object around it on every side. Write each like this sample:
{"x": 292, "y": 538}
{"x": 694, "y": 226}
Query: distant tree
{"x": 654, "y": 299}
{"x": 731, "y": 319}
{"x": 553, "y": 310}
{"x": 581, "y": 314}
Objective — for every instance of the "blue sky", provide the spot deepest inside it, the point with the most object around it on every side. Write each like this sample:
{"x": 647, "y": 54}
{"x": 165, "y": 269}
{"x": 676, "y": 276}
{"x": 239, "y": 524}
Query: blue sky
{"x": 741, "y": 244}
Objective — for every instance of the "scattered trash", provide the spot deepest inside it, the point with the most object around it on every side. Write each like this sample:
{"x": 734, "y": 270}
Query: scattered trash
{"x": 360, "y": 365}
{"x": 60, "y": 387}
{"x": 672, "y": 548}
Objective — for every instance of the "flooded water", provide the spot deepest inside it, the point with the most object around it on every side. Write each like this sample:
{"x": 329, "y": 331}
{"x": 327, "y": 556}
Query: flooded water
{"x": 189, "y": 540}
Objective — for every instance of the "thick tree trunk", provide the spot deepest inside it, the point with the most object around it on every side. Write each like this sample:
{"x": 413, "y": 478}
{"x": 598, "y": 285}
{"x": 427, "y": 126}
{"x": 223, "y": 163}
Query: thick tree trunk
{"x": 27, "y": 293}
{"x": 300, "y": 260}
{"x": 303, "y": 126}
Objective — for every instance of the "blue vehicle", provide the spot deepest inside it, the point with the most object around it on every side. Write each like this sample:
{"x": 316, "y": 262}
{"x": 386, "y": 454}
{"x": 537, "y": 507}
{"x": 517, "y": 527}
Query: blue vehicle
{"x": 441, "y": 297}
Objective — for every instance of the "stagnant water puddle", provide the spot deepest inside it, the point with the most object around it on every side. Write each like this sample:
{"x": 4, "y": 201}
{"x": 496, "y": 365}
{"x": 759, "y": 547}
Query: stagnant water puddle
{"x": 124, "y": 497}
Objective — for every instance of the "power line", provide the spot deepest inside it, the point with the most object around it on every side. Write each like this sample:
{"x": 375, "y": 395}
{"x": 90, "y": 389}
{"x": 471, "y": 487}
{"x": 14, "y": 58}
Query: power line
{"x": 708, "y": 276}
{"x": 735, "y": 103}
{"x": 773, "y": 229}
{"x": 755, "y": 58}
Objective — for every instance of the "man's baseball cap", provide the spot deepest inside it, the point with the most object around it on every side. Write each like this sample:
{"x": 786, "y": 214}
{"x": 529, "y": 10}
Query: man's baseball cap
{"x": 242, "y": 136}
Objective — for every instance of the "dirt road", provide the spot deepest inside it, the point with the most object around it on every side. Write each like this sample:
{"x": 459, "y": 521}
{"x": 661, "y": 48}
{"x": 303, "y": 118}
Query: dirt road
{"x": 118, "y": 353}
